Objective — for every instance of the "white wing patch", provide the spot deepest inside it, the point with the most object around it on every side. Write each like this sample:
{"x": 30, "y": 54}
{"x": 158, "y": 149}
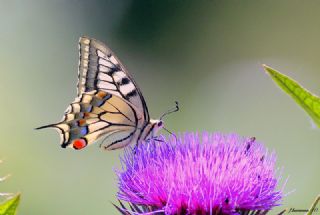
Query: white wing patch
{"x": 104, "y": 77}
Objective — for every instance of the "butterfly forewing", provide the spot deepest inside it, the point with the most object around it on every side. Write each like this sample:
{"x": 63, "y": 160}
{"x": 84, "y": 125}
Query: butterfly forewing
{"x": 100, "y": 69}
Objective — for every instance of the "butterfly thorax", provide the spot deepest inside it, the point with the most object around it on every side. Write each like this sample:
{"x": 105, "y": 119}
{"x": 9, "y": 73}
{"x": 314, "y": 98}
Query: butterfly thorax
{"x": 150, "y": 130}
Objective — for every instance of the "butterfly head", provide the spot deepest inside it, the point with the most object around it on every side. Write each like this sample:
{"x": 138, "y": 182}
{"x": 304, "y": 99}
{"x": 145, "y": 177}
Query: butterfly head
{"x": 157, "y": 124}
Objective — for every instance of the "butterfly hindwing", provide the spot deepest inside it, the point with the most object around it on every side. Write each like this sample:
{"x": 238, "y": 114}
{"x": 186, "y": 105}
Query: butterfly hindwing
{"x": 95, "y": 114}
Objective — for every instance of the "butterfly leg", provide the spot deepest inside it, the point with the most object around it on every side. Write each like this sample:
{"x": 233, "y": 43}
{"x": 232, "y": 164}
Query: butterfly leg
{"x": 135, "y": 149}
{"x": 155, "y": 139}
{"x": 147, "y": 141}
{"x": 158, "y": 140}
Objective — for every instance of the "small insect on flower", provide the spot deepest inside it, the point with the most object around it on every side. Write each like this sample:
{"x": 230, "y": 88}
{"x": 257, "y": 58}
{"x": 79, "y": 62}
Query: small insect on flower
{"x": 199, "y": 174}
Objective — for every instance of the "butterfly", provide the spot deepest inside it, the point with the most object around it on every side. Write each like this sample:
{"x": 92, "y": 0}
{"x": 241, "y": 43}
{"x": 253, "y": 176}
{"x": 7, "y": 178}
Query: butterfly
{"x": 109, "y": 103}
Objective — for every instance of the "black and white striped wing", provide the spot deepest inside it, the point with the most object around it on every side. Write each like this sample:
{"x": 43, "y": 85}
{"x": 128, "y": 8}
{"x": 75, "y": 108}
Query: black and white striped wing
{"x": 100, "y": 69}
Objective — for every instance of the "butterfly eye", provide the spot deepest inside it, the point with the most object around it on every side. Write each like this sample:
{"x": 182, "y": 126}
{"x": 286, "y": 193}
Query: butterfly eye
{"x": 160, "y": 124}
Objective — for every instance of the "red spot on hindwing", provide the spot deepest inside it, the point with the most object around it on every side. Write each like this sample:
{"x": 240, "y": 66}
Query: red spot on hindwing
{"x": 79, "y": 144}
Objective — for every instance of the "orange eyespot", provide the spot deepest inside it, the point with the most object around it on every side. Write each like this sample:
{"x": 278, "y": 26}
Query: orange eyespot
{"x": 81, "y": 122}
{"x": 86, "y": 114}
{"x": 101, "y": 94}
{"x": 79, "y": 144}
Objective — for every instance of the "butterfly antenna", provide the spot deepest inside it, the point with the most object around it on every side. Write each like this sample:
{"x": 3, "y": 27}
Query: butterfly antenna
{"x": 170, "y": 133}
{"x": 175, "y": 109}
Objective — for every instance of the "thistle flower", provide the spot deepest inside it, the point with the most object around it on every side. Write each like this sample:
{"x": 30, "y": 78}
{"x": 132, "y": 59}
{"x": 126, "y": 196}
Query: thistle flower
{"x": 198, "y": 174}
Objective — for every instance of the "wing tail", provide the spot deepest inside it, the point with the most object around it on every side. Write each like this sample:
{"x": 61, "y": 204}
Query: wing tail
{"x": 91, "y": 116}
{"x": 46, "y": 126}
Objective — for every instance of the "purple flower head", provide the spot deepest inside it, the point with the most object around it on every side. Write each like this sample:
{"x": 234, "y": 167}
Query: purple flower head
{"x": 200, "y": 174}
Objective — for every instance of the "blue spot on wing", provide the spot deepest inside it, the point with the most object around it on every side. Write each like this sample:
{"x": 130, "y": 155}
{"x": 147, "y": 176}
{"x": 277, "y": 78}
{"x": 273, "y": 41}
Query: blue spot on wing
{"x": 83, "y": 130}
{"x": 78, "y": 132}
{"x": 99, "y": 102}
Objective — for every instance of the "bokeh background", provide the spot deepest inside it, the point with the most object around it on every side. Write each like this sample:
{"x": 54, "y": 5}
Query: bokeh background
{"x": 206, "y": 54}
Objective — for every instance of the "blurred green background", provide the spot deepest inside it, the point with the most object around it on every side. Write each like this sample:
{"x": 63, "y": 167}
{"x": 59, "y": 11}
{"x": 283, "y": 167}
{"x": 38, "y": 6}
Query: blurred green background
{"x": 206, "y": 54}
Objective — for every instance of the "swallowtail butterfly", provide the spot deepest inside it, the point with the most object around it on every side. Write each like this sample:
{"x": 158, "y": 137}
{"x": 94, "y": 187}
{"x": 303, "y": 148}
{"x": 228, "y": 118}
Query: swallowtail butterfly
{"x": 109, "y": 103}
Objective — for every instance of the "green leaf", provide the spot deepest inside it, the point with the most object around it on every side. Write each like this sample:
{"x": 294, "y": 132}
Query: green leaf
{"x": 314, "y": 205}
{"x": 10, "y": 206}
{"x": 308, "y": 101}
